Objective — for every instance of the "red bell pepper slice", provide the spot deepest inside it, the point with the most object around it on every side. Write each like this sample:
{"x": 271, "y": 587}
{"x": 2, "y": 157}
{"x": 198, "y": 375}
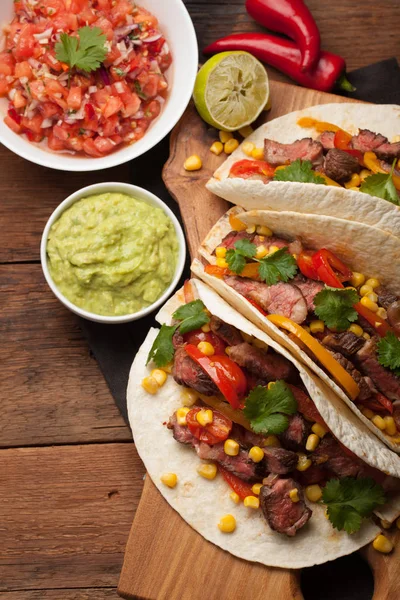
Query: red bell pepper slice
{"x": 385, "y": 402}
{"x": 261, "y": 310}
{"x": 342, "y": 142}
{"x": 239, "y": 486}
{"x": 247, "y": 168}
{"x": 373, "y": 319}
{"x": 306, "y": 266}
{"x": 324, "y": 261}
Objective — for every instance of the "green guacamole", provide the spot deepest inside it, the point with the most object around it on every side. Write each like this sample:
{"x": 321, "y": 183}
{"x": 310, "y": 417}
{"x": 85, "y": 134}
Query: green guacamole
{"x": 112, "y": 254}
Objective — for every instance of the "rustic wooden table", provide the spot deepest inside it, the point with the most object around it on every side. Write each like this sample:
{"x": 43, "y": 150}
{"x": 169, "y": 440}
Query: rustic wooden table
{"x": 70, "y": 478}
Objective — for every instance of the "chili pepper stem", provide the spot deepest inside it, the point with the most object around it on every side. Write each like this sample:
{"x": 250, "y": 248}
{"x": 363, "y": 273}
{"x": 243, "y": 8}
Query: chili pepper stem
{"x": 344, "y": 84}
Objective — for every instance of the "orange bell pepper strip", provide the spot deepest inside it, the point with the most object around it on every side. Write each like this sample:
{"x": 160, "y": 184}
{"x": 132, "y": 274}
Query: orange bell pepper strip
{"x": 320, "y": 126}
{"x": 236, "y": 224}
{"x": 216, "y": 271}
{"x": 373, "y": 164}
{"x": 340, "y": 374}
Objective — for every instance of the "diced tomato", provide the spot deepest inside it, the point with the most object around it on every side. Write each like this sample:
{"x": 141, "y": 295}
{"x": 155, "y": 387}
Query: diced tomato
{"x": 34, "y": 137}
{"x": 110, "y": 127}
{"x": 74, "y": 99}
{"x": 156, "y": 47}
{"x": 78, "y": 6}
{"x": 106, "y": 27}
{"x": 114, "y": 105}
{"x": 4, "y": 86}
{"x": 248, "y": 168}
{"x": 132, "y": 104}
{"x": 103, "y": 145}
{"x": 104, "y": 5}
{"x": 38, "y": 90}
{"x": 49, "y": 109}
{"x": 7, "y": 64}
{"x": 66, "y": 21}
{"x": 213, "y": 433}
{"x": 55, "y": 143}
{"x": 90, "y": 148}
{"x": 195, "y": 337}
{"x": 50, "y": 8}
{"x": 75, "y": 143}
{"x": 149, "y": 20}
{"x": 86, "y": 16}
{"x": 61, "y": 132}
{"x": 23, "y": 69}
{"x": 34, "y": 124}
{"x": 19, "y": 99}
{"x": 306, "y": 406}
{"x": 149, "y": 84}
{"x": 13, "y": 125}
{"x": 26, "y": 43}
{"x": 54, "y": 89}
{"x": 242, "y": 488}
{"x": 120, "y": 11}
{"x": 153, "y": 109}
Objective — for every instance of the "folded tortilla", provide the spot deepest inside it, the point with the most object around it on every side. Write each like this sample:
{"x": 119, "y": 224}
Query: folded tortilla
{"x": 312, "y": 198}
{"x": 363, "y": 248}
{"x": 202, "y": 503}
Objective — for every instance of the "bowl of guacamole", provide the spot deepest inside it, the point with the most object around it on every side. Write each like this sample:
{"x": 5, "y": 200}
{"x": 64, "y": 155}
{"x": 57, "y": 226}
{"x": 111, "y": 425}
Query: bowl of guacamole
{"x": 113, "y": 252}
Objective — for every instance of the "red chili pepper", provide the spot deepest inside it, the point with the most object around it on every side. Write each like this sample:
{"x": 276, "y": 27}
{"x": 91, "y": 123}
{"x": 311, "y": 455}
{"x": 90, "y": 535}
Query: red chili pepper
{"x": 285, "y": 56}
{"x": 242, "y": 488}
{"x": 293, "y": 18}
{"x": 377, "y": 323}
{"x": 324, "y": 261}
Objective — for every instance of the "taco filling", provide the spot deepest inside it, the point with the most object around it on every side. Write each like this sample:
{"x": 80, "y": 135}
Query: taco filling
{"x": 247, "y": 414}
{"x": 348, "y": 323}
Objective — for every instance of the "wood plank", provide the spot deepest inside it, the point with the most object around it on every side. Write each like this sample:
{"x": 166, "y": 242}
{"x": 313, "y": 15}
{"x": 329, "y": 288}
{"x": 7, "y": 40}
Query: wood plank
{"x": 71, "y": 594}
{"x": 66, "y": 514}
{"x": 52, "y": 389}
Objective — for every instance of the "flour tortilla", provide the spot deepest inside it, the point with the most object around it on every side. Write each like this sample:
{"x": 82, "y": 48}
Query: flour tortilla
{"x": 202, "y": 503}
{"x": 354, "y": 243}
{"x": 310, "y": 197}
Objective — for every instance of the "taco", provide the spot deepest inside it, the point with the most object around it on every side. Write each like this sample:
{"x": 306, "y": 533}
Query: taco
{"x": 348, "y": 149}
{"x": 313, "y": 284}
{"x": 243, "y": 430}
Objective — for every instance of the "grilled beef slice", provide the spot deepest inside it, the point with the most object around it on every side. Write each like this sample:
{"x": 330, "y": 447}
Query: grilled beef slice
{"x": 282, "y": 299}
{"x": 267, "y": 366}
{"x": 363, "y": 382}
{"x": 327, "y": 139}
{"x": 385, "y": 380}
{"x": 347, "y": 343}
{"x": 181, "y": 433}
{"x": 388, "y": 152}
{"x": 246, "y": 439}
{"x": 367, "y": 141}
{"x": 296, "y": 434}
{"x": 308, "y": 288}
{"x": 232, "y": 237}
{"x": 228, "y": 333}
{"x": 330, "y": 455}
{"x": 241, "y": 465}
{"x": 279, "y": 460}
{"x": 340, "y": 165}
{"x": 283, "y": 515}
{"x": 187, "y": 372}
{"x": 282, "y": 154}
{"x": 385, "y": 296}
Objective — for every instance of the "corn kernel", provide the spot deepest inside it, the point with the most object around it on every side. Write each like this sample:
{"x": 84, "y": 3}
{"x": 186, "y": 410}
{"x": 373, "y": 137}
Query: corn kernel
{"x": 231, "y": 447}
{"x": 207, "y": 470}
{"x": 367, "y": 412}
{"x": 271, "y": 384}
{"x": 357, "y": 279}
{"x": 220, "y": 252}
{"x": 319, "y": 430}
{"x": 306, "y": 328}
{"x": 206, "y": 328}
{"x": 353, "y": 188}
{"x": 251, "y": 229}
{"x": 258, "y": 154}
{"x": 246, "y": 131}
{"x": 206, "y": 348}
{"x": 303, "y": 462}
{"x": 234, "y": 497}
{"x": 225, "y": 136}
{"x": 159, "y": 375}
{"x": 205, "y": 416}
{"x": 398, "y": 523}
{"x": 385, "y": 524}
{"x": 189, "y": 397}
{"x": 368, "y": 303}
{"x": 294, "y": 495}
{"x": 227, "y": 524}
{"x": 365, "y": 290}
{"x": 382, "y": 544}
{"x": 228, "y": 350}
{"x": 382, "y": 313}
{"x": 248, "y": 148}
{"x": 256, "y": 488}
{"x": 168, "y": 367}
{"x": 390, "y": 425}
{"x": 373, "y": 282}
{"x": 169, "y": 479}
{"x": 356, "y": 329}
{"x": 256, "y": 454}
{"x": 193, "y": 163}
{"x": 264, "y": 230}
{"x": 251, "y": 502}
{"x": 181, "y": 415}
{"x": 373, "y": 297}
{"x": 231, "y": 146}
{"x": 355, "y": 181}
{"x": 317, "y": 327}
{"x": 366, "y": 336}
{"x": 313, "y": 492}
{"x": 312, "y": 442}
{"x": 217, "y": 148}
{"x": 378, "y": 422}
{"x": 221, "y": 262}
{"x": 273, "y": 249}
{"x": 259, "y": 344}
{"x": 364, "y": 173}
{"x": 271, "y": 441}
{"x": 150, "y": 385}
{"x": 261, "y": 252}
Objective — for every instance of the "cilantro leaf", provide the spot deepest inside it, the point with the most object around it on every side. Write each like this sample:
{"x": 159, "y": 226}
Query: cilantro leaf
{"x": 246, "y": 248}
{"x": 279, "y": 266}
{"x": 87, "y": 51}
{"x": 266, "y": 408}
{"x": 193, "y": 316}
{"x": 236, "y": 257}
{"x": 389, "y": 352}
{"x": 350, "y": 500}
{"x": 382, "y": 186}
{"x": 162, "y": 350}
{"x": 335, "y": 307}
{"x": 299, "y": 170}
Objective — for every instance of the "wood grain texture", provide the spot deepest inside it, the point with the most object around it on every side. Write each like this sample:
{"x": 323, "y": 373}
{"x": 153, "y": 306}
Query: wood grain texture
{"x": 70, "y": 594}
{"x": 51, "y": 388}
{"x": 65, "y": 513}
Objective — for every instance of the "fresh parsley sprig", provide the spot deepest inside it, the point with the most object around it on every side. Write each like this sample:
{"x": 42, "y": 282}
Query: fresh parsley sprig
{"x": 389, "y": 352}
{"x": 382, "y": 186}
{"x": 350, "y": 500}
{"x": 335, "y": 307}
{"x": 86, "y": 50}
{"x": 279, "y": 266}
{"x": 267, "y": 408}
{"x": 299, "y": 170}
{"x": 191, "y": 316}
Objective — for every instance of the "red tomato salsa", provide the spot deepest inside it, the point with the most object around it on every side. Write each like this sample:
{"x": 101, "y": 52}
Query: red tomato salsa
{"x": 73, "y": 110}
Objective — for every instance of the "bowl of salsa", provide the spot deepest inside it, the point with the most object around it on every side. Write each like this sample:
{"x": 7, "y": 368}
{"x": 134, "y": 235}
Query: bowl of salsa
{"x": 112, "y": 252}
{"x": 90, "y": 84}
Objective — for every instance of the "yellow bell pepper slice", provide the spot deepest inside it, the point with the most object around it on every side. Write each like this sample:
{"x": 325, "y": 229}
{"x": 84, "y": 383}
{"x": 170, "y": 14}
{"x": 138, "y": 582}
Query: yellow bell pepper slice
{"x": 328, "y": 180}
{"x": 320, "y": 126}
{"x": 326, "y": 359}
{"x": 226, "y": 409}
{"x": 236, "y": 224}
{"x": 373, "y": 164}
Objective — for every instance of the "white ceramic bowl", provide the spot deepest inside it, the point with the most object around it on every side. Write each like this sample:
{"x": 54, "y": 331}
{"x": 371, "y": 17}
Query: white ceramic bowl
{"x": 178, "y": 29}
{"x": 131, "y": 190}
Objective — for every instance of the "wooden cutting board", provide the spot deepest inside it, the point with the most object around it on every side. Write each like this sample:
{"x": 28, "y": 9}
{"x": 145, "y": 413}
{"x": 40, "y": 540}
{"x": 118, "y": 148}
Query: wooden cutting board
{"x": 165, "y": 558}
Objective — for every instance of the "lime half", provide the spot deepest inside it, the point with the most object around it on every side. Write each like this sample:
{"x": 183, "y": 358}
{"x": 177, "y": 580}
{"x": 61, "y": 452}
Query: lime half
{"x": 231, "y": 90}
